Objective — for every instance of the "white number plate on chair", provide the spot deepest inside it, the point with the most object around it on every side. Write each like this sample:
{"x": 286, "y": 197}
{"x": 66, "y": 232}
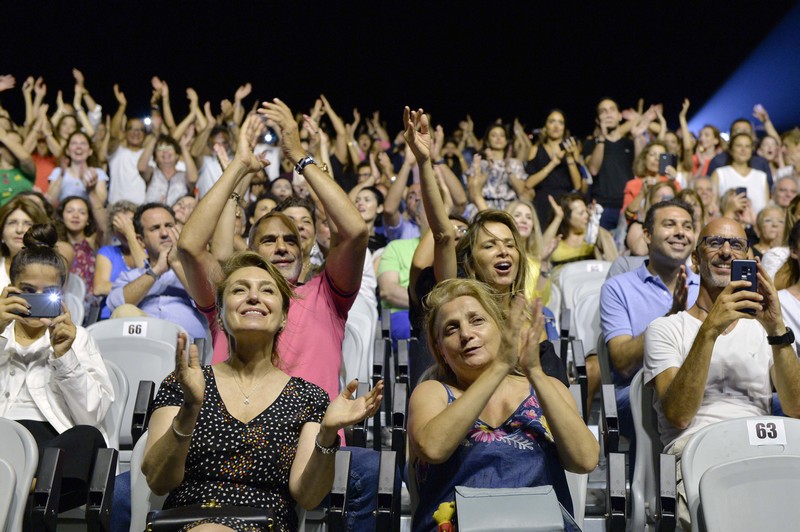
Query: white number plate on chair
{"x": 134, "y": 328}
{"x": 770, "y": 432}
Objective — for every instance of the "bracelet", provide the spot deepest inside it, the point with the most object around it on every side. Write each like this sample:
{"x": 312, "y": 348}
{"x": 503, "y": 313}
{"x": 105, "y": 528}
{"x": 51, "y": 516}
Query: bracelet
{"x": 302, "y": 163}
{"x": 599, "y": 141}
{"x": 325, "y": 450}
{"x": 180, "y": 434}
{"x": 235, "y": 196}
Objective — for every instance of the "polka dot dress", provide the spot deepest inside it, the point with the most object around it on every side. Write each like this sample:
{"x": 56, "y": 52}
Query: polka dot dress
{"x": 244, "y": 464}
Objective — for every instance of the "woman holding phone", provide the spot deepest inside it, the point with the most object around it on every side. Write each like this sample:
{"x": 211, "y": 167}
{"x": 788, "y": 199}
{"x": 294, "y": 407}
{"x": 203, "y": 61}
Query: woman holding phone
{"x": 52, "y": 378}
{"x": 739, "y": 175}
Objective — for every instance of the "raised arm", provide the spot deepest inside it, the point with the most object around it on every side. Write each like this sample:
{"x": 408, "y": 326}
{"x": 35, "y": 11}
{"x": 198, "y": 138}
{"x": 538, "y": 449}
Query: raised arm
{"x": 391, "y": 203}
{"x": 351, "y": 246}
{"x": 145, "y": 170}
{"x": 26, "y": 163}
{"x": 340, "y": 148}
{"x": 418, "y": 138}
{"x": 200, "y": 267}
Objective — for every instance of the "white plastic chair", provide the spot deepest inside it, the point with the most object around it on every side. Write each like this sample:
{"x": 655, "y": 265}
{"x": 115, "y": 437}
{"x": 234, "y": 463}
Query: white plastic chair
{"x": 19, "y": 450}
{"x": 75, "y": 285}
{"x": 570, "y": 277}
{"x": 644, "y": 490}
{"x": 8, "y": 483}
{"x": 144, "y": 348}
{"x": 359, "y": 341}
{"x": 586, "y": 320}
{"x": 77, "y": 309}
{"x": 112, "y": 423}
{"x": 143, "y": 500}
{"x": 758, "y": 493}
{"x": 726, "y": 442}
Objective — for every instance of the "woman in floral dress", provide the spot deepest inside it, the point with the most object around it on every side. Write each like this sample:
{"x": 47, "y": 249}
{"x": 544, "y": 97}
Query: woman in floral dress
{"x": 490, "y": 417}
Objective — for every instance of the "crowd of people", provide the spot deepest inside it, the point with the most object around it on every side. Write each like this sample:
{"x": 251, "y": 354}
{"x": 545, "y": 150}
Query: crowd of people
{"x": 260, "y": 230}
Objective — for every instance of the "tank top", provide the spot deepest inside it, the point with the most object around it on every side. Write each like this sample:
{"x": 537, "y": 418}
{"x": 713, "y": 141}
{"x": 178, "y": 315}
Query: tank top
{"x": 519, "y": 453}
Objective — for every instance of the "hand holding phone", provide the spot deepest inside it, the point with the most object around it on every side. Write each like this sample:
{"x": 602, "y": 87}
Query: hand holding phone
{"x": 665, "y": 160}
{"x": 745, "y": 270}
{"x": 45, "y": 305}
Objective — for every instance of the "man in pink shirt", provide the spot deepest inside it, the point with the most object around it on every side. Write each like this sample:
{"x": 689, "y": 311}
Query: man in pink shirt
{"x": 311, "y": 344}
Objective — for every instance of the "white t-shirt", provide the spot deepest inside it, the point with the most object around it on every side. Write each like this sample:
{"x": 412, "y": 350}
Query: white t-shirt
{"x": 167, "y": 191}
{"x": 790, "y": 308}
{"x": 126, "y": 183}
{"x": 755, "y": 182}
{"x": 738, "y": 383}
{"x": 72, "y": 185}
{"x": 209, "y": 174}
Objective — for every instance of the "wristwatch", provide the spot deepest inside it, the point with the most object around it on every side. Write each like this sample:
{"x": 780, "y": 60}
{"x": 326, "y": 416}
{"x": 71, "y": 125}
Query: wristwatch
{"x": 149, "y": 271}
{"x": 786, "y": 338}
{"x": 302, "y": 163}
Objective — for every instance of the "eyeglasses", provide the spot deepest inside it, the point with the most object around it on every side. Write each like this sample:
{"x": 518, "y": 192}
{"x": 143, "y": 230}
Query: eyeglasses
{"x": 139, "y": 129}
{"x": 715, "y": 243}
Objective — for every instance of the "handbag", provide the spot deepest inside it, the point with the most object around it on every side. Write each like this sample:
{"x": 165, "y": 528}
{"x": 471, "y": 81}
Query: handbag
{"x": 173, "y": 519}
{"x": 508, "y": 509}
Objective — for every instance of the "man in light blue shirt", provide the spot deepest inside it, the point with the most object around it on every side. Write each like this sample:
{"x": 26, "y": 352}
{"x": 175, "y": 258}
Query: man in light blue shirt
{"x": 661, "y": 286}
{"x": 158, "y": 288}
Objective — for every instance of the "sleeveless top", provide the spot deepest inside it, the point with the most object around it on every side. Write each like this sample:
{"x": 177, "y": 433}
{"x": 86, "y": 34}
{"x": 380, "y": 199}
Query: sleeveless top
{"x": 519, "y": 453}
{"x": 556, "y": 184}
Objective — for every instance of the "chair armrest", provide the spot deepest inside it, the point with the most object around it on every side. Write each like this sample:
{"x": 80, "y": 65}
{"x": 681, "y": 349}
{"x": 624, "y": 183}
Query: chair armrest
{"x": 616, "y": 494}
{"x": 387, "y": 515}
{"x": 141, "y": 409}
{"x": 101, "y": 491}
{"x": 385, "y": 324}
{"x": 44, "y": 510}
{"x": 667, "y": 487}
{"x": 380, "y": 365}
{"x": 399, "y": 408}
{"x": 579, "y": 358}
{"x": 609, "y": 421}
{"x": 564, "y": 338}
{"x": 337, "y": 509}
{"x": 401, "y": 360}
{"x": 358, "y": 432}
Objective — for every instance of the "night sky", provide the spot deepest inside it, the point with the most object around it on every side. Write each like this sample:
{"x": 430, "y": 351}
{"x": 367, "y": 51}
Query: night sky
{"x": 510, "y": 59}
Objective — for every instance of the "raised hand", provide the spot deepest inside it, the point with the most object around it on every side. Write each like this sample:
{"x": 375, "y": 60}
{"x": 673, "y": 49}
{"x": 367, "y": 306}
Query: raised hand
{"x": 27, "y": 86}
{"x": 760, "y": 113}
{"x": 684, "y": 108}
{"x": 345, "y": 411}
{"x": 248, "y": 136}
{"x": 89, "y": 178}
{"x": 529, "y": 359}
{"x": 243, "y": 91}
{"x": 681, "y": 293}
{"x": 156, "y": 82}
{"x": 558, "y": 212}
{"x": 7, "y": 81}
{"x": 119, "y": 95}
{"x": 59, "y": 100}
{"x": 62, "y": 331}
{"x": 11, "y": 306}
{"x": 188, "y": 372}
{"x": 417, "y": 134}
{"x": 509, "y": 354}
{"x": 79, "y": 79}
{"x": 279, "y": 112}
{"x": 39, "y": 87}
{"x": 191, "y": 95}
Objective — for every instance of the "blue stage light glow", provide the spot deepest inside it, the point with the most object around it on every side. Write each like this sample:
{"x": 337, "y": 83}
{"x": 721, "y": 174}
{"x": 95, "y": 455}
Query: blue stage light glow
{"x": 769, "y": 76}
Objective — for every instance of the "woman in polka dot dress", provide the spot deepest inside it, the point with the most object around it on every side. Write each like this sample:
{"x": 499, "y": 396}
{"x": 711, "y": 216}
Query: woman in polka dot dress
{"x": 244, "y": 433}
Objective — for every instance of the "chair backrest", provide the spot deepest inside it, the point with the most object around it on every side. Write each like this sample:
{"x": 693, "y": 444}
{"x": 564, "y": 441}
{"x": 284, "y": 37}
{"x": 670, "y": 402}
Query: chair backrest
{"x": 733, "y": 440}
{"x": 75, "y": 285}
{"x": 144, "y": 348}
{"x": 77, "y": 309}
{"x": 359, "y": 341}
{"x": 570, "y": 277}
{"x": 112, "y": 423}
{"x": 586, "y": 319}
{"x": 8, "y": 483}
{"x": 757, "y": 493}
{"x": 19, "y": 450}
{"x": 648, "y": 447}
{"x": 142, "y": 499}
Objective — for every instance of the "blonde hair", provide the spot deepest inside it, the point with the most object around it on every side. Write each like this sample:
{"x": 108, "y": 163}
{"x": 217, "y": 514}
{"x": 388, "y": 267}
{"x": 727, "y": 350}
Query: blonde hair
{"x": 533, "y": 244}
{"x": 443, "y": 293}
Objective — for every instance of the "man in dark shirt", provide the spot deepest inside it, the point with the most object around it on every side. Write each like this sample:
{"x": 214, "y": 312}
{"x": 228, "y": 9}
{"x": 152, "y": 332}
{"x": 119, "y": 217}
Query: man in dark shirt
{"x": 609, "y": 158}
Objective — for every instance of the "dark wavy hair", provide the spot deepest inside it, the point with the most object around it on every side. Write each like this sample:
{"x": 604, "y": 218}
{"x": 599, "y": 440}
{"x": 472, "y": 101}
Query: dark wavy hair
{"x": 91, "y": 225}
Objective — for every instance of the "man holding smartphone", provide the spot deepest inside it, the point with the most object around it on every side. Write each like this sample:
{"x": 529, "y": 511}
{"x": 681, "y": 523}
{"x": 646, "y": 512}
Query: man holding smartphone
{"x": 716, "y": 361}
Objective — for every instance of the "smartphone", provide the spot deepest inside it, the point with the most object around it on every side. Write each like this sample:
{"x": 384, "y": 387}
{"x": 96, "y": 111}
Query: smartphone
{"x": 745, "y": 270}
{"x": 741, "y": 190}
{"x": 664, "y": 160}
{"x": 46, "y": 305}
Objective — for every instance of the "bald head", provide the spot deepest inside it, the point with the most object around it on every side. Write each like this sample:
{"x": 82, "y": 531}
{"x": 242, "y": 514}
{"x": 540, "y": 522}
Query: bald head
{"x": 722, "y": 227}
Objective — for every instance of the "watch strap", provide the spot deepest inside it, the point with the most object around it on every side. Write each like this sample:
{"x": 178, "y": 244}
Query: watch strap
{"x": 786, "y": 338}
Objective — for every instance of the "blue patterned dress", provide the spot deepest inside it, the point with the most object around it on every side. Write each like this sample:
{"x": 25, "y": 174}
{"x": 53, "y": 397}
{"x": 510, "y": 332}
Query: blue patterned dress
{"x": 518, "y": 453}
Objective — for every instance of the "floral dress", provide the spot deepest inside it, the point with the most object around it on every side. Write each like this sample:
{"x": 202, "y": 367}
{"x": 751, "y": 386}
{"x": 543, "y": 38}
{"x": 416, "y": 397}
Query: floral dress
{"x": 497, "y": 190}
{"x": 518, "y": 453}
{"x": 244, "y": 464}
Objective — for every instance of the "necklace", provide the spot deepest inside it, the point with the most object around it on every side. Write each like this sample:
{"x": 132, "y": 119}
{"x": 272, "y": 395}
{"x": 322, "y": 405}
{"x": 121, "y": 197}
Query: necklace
{"x": 241, "y": 388}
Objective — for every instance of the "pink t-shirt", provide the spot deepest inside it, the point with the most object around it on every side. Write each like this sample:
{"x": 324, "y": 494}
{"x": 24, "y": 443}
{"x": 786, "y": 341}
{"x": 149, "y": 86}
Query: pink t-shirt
{"x": 310, "y": 345}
